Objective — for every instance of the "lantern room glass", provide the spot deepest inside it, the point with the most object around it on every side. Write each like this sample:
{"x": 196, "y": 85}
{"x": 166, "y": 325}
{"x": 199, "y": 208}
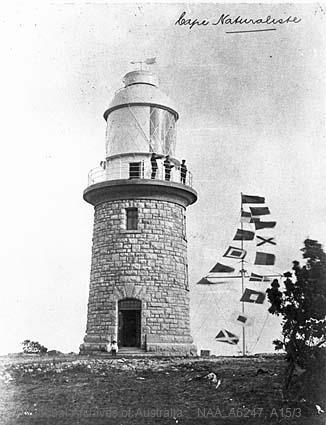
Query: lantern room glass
{"x": 162, "y": 131}
{"x": 140, "y": 129}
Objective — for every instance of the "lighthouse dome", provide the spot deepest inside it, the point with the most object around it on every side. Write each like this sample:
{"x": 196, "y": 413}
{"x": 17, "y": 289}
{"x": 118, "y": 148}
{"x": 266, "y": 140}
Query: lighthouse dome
{"x": 141, "y": 88}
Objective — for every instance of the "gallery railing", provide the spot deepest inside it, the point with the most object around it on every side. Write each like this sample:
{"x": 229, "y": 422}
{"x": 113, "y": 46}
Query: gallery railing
{"x": 122, "y": 170}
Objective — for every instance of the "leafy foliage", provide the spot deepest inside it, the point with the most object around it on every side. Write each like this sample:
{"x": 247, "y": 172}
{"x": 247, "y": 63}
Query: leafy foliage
{"x": 33, "y": 347}
{"x": 302, "y": 305}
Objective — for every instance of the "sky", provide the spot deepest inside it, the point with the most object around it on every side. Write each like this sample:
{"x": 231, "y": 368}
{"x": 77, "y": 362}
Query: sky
{"x": 252, "y": 120}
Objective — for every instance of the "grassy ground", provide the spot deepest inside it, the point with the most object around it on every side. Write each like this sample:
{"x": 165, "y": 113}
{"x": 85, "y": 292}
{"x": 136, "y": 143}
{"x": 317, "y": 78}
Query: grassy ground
{"x": 79, "y": 390}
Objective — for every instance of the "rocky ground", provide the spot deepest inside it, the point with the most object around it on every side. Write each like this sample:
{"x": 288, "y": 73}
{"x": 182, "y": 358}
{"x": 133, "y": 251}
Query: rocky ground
{"x": 80, "y": 390}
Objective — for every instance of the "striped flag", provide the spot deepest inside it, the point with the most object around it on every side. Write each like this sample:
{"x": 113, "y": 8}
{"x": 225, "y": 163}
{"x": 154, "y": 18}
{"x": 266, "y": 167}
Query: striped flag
{"x": 245, "y": 217}
{"x": 249, "y": 199}
{"x": 234, "y": 252}
{"x": 258, "y": 278}
{"x": 256, "y": 211}
{"x": 254, "y": 219}
{"x": 264, "y": 259}
{"x": 251, "y": 296}
{"x": 244, "y": 235}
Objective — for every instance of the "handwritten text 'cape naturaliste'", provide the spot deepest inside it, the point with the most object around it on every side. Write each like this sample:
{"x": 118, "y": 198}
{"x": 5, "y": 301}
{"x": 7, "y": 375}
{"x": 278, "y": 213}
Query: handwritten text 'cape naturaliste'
{"x": 226, "y": 19}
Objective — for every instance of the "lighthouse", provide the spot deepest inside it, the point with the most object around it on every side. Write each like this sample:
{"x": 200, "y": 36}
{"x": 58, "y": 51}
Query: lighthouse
{"x": 139, "y": 290}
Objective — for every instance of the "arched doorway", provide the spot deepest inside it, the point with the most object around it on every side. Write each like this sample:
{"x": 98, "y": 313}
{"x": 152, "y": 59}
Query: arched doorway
{"x": 129, "y": 322}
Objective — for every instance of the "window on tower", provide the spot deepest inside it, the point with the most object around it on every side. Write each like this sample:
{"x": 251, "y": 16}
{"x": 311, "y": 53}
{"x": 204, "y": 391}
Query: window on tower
{"x": 132, "y": 218}
{"x": 134, "y": 170}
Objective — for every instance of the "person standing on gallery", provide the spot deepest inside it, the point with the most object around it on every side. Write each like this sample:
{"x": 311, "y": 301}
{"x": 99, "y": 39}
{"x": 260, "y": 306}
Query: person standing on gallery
{"x": 183, "y": 171}
{"x": 154, "y": 157}
{"x": 168, "y": 167}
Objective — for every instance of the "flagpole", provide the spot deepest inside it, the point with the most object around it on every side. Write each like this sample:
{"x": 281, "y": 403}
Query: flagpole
{"x": 242, "y": 286}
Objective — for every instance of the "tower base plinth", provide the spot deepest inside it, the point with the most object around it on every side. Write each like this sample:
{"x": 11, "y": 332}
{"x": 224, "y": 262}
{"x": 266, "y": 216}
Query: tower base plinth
{"x": 93, "y": 344}
{"x": 96, "y": 344}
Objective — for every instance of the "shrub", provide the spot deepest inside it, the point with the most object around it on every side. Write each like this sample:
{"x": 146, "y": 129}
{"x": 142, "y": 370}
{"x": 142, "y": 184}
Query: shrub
{"x": 32, "y": 347}
{"x": 302, "y": 305}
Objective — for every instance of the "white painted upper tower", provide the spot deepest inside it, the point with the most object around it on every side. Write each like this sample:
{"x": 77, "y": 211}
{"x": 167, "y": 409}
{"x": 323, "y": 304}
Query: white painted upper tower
{"x": 141, "y": 119}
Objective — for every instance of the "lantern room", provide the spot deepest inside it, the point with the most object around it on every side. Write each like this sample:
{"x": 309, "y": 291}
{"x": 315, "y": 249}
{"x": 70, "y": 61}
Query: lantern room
{"x": 140, "y": 118}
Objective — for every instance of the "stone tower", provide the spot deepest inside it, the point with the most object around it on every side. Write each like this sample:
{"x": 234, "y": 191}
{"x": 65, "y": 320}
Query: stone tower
{"x": 139, "y": 294}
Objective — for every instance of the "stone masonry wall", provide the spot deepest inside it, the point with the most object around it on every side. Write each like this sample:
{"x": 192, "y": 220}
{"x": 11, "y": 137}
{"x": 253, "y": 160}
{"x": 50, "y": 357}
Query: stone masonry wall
{"x": 149, "y": 264}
